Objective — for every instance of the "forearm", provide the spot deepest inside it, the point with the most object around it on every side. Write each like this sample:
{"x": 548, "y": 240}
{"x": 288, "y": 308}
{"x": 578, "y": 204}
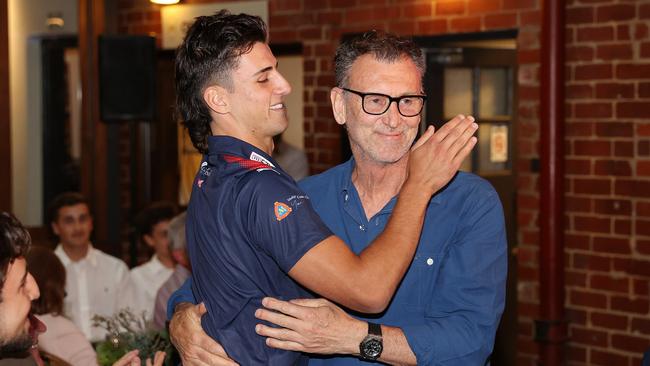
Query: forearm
{"x": 384, "y": 262}
{"x": 396, "y": 348}
{"x": 366, "y": 282}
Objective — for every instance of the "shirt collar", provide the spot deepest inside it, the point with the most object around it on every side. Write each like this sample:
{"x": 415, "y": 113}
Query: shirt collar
{"x": 218, "y": 145}
{"x": 156, "y": 264}
{"x": 91, "y": 256}
{"x": 347, "y": 185}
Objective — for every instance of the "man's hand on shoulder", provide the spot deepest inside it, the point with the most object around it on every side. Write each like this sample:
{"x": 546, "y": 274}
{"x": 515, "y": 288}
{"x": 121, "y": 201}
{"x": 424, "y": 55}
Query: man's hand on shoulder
{"x": 195, "y": 347}
{"x": 310, "y": 325}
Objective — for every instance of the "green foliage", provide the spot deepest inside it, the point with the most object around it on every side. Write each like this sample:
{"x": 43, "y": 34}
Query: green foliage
{"x": 126, "y": 332}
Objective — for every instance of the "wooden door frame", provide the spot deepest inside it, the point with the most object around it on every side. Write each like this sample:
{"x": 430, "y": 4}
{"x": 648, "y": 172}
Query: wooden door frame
{"x": 5, "y": 112}
{"x": 504, "y": 352}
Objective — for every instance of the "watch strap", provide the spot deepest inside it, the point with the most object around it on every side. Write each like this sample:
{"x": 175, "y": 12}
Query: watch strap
{"x": 374, "y": 329}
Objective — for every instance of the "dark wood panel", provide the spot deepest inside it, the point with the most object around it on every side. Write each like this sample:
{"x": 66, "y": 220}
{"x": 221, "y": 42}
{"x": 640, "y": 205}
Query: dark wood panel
{"x": 94, "y": 159}
{"x": 5, "y": 117}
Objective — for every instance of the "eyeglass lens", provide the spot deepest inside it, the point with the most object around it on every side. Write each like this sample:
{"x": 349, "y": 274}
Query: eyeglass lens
{"x": 408, "y": 106}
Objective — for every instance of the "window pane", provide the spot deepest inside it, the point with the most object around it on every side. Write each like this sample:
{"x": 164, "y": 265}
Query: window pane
{"x": 493, "y": 94}
{"x": 458, "y": 92}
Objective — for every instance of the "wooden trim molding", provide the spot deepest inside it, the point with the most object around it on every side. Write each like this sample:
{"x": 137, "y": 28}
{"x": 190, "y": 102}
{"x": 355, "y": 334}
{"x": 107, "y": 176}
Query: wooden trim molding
{"x": 5, "y": 116}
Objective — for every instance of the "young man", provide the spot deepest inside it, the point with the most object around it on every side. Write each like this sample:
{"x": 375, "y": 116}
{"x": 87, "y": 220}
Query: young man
{"x": 93, "y": 277}
{"x": 139, "y": 291}
{"x": 251, "y": 231}
{"x": 447, "y": 308}
{"x": 18, "y": 287}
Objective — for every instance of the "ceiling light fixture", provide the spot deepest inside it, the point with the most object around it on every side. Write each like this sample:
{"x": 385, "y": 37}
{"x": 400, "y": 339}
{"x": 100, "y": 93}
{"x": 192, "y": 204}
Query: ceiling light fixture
{"x": 165, "y": 2}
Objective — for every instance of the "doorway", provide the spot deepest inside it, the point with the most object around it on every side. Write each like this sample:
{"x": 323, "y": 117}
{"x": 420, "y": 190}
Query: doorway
{"x": 477, "y": 76}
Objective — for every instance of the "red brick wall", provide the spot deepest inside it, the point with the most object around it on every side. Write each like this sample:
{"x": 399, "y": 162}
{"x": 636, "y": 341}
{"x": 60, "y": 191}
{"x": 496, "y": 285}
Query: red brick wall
{"x": 607, "y": 145}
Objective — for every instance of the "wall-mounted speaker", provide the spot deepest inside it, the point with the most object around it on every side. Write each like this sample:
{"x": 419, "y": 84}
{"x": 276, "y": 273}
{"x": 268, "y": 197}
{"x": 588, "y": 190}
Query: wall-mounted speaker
{"x": 127, "y": 78}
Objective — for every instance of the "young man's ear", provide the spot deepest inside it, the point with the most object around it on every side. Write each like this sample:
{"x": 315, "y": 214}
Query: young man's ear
{"x": 338, "y": 105}
{"x": 217, "y": 99}
{"x": 148, "y": 239}
{"x": 55, "y": 228}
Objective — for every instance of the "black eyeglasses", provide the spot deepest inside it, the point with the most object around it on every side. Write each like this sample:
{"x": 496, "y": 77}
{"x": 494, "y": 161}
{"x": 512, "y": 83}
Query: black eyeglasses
{"x": 376, "y": 103}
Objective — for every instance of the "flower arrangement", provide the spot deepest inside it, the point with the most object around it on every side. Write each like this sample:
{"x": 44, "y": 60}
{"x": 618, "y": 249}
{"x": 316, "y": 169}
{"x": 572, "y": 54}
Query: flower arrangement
{"x": 126, "y": 332}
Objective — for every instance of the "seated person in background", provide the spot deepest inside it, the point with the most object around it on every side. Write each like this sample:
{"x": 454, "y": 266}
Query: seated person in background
{"x": 17, "y": 287}
{"x": 62, "y": 339}
{"x": 177, "y": 248}
{"x": 291, "y": 159}
{"x": 93, "y": 277}
{"x": 139, "y": 292}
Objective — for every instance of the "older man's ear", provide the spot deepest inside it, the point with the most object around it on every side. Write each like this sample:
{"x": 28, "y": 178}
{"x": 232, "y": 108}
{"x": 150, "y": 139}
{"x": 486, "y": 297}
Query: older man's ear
{"x": 338, "y": 105}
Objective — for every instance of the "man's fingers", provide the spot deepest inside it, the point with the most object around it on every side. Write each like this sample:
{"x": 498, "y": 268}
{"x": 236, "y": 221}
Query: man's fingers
{"x": 460, "y": 137}
{"x": 284, "y": 307}
{"x": 448, "y": 127}
{"x": 424, "y": 138}
{"x": 281, "y": 338}
{"x": 286, "y": 345}
{"x": 200, "y": 309}
{"x": 279, "y": 319}
{"x": 201, "y": 357}
{"x": 465, "y": 151}
{"x": 126, "y": 359}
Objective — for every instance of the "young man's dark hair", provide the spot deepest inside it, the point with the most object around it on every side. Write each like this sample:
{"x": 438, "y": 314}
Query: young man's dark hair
{"x": 63, "y": 200}
{"x": 14, "y": 243}
{"x": 153, "y": 214}
{"x": 211, "y": 49}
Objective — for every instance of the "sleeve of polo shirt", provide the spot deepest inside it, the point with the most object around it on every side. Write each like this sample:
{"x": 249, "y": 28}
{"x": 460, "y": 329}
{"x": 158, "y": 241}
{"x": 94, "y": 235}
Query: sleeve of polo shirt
{"x": 461, "y": 321}
{"x": 280, "y": 218}
{"x": 183, "y": 294}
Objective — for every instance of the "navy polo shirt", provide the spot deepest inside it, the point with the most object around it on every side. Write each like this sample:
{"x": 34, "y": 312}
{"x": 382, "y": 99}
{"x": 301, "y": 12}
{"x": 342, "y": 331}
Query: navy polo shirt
{"x": 248, "y": 223}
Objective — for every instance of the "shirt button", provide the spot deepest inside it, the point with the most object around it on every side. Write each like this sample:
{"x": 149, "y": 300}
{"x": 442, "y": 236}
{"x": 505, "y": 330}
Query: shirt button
{"x": 362, "y": 228}
{"x": 430, "y": 261}
{"x": 346, "y": 197}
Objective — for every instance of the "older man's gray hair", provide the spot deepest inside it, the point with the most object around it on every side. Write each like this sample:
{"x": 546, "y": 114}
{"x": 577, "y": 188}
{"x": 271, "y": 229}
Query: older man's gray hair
{"x": 176, "y": 232}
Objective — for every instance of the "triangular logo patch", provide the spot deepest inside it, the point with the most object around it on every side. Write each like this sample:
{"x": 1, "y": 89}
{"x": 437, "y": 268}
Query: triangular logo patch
{"x": 282, "y": 210}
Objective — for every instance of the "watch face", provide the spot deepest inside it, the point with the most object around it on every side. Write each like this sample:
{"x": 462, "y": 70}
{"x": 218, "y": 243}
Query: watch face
{"x": 372, "y": 348}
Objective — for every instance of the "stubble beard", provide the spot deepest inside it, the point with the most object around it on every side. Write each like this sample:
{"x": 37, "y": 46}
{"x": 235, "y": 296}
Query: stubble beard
{"x": 16, "y": 346}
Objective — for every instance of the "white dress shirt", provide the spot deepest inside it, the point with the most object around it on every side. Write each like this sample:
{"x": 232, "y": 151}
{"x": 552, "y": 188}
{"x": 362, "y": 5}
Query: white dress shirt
{"x": 91, "y": 286}
{"x": 139, "y": 291}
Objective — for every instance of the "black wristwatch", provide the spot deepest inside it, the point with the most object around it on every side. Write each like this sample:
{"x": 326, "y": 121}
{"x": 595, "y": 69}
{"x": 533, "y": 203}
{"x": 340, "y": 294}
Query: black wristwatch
{"x": 372, "y": 345}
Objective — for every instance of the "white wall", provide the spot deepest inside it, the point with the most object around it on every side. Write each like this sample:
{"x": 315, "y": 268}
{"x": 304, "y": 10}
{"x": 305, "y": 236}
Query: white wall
{"x": 26, "y": 20}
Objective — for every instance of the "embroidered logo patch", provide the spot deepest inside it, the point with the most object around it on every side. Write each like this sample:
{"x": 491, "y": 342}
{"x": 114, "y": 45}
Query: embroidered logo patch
{"x": 282, "y": 210}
